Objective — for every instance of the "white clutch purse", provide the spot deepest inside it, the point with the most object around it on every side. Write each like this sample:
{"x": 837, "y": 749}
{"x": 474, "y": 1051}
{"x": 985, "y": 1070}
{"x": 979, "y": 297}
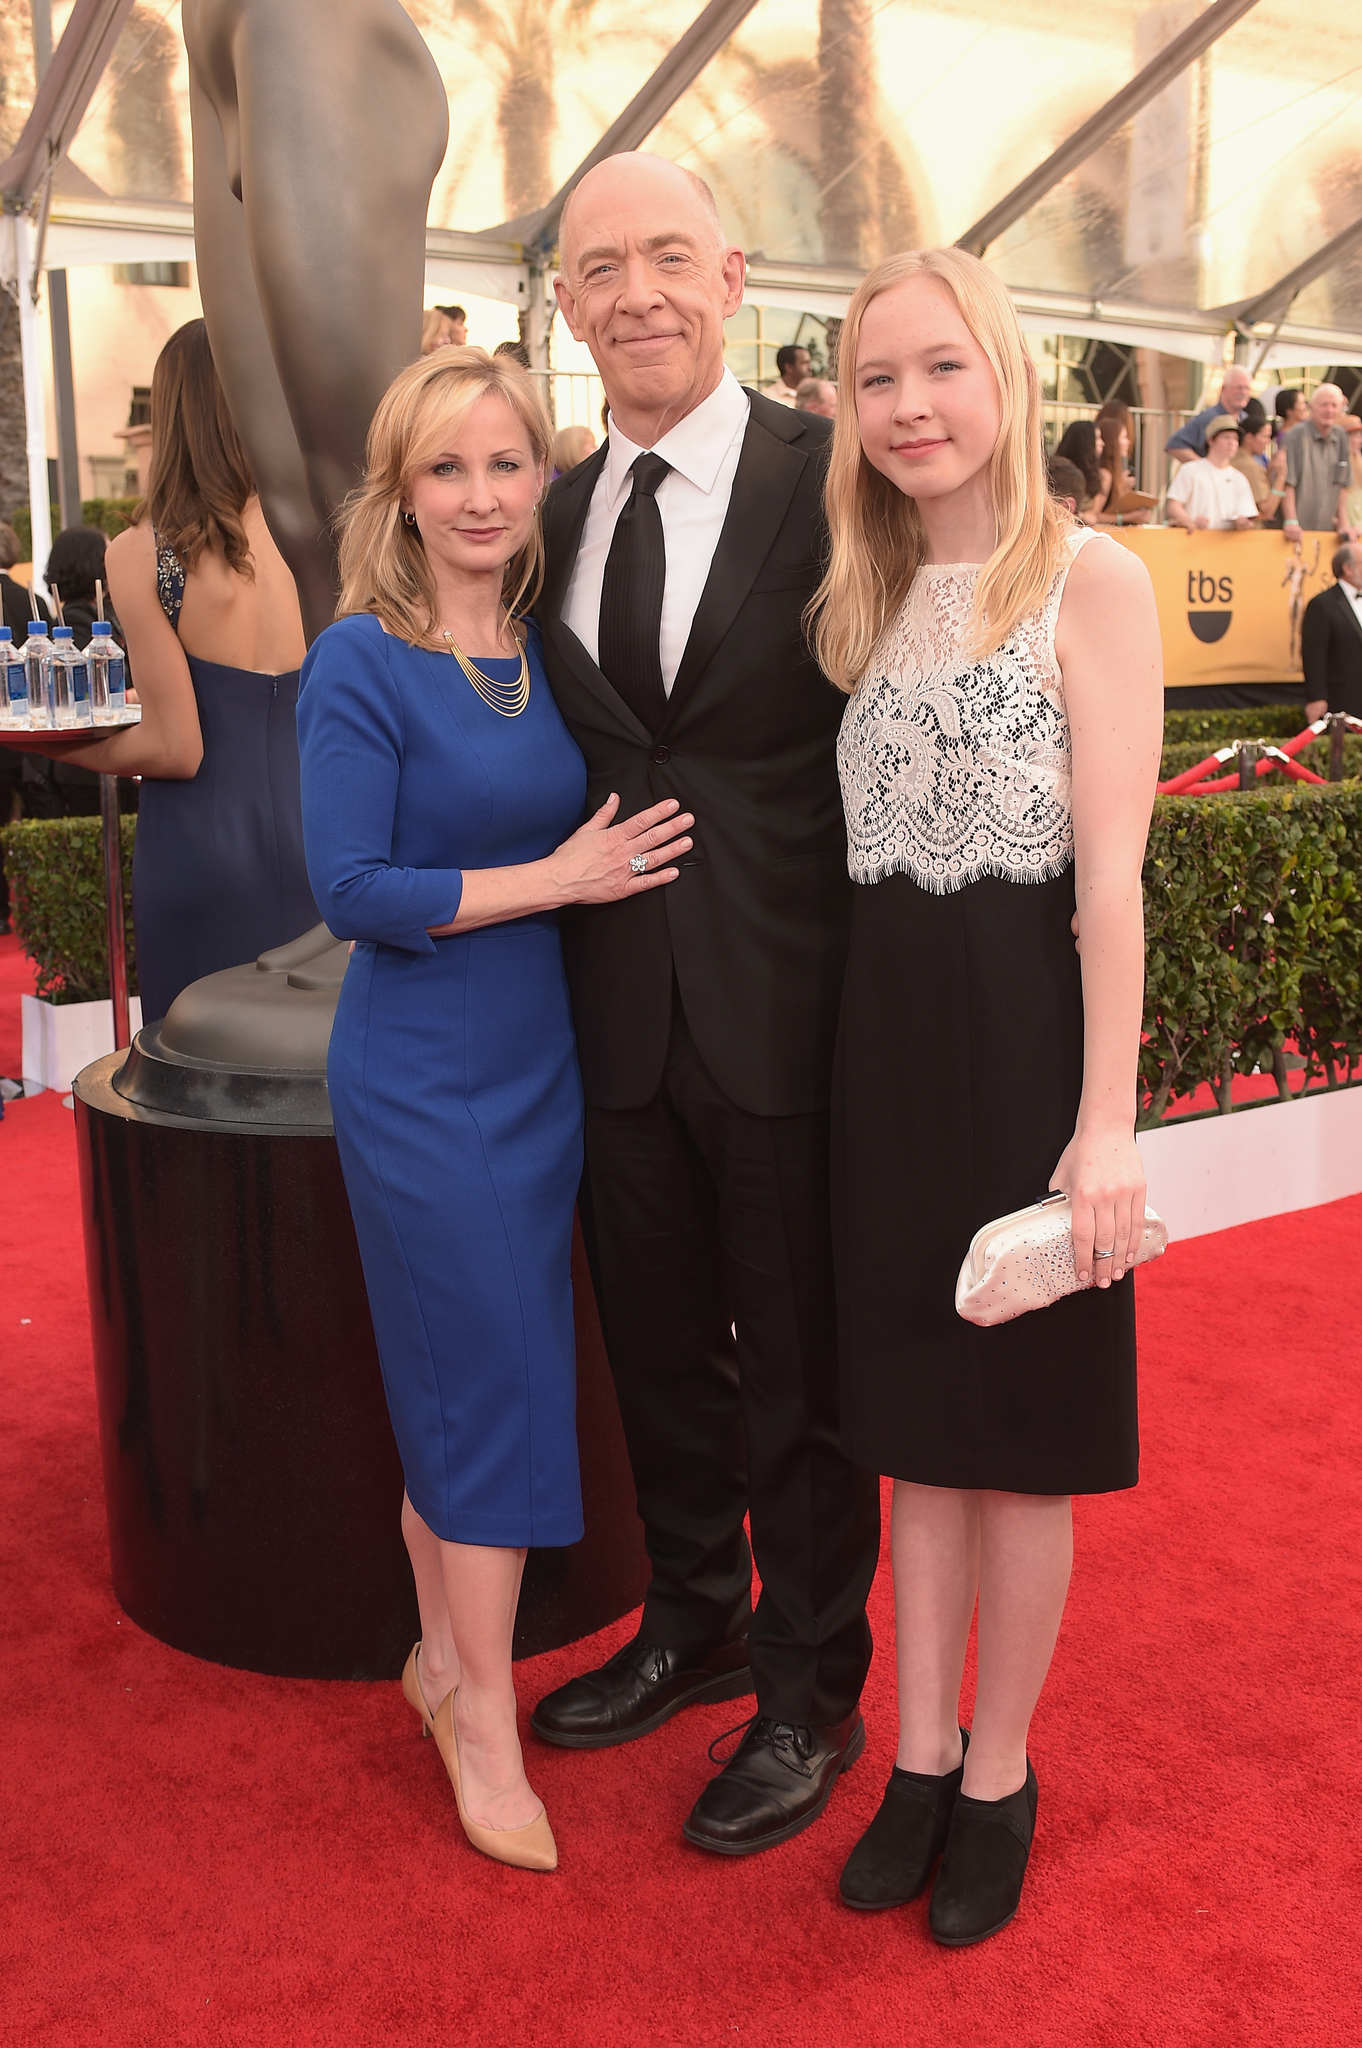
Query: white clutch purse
{"x": 1026, "y": 1261}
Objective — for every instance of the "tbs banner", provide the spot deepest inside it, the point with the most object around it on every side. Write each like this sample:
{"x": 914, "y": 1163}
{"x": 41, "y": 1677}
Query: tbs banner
{"x": 1230, "y": 604}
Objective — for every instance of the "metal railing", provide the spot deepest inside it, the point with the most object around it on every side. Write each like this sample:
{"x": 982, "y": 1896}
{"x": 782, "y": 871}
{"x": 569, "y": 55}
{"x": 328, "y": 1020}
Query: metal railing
{"x": 576, "y": 398}
{"x": 1153, "y": 426}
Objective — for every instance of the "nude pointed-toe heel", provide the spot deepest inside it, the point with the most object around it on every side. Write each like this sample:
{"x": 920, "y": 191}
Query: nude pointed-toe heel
{"x": 529, "y": 1848}
{"x": 412, "y": 1693}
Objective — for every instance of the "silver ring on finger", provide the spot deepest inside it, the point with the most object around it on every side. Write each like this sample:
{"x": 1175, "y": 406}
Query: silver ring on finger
{"x": 1110, "y": 1253}
{"x": 639, "y": 863}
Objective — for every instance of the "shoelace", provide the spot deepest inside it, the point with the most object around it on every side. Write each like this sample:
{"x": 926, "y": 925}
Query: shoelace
{"x": 645, "y": 1658}
{"x": 793, "y": 1745}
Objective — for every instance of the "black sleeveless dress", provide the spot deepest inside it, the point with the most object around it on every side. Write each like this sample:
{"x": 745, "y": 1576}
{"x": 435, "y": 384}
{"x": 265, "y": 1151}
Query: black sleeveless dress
{"x": 218, "y": 874}
{"x": 959, "y": 1064}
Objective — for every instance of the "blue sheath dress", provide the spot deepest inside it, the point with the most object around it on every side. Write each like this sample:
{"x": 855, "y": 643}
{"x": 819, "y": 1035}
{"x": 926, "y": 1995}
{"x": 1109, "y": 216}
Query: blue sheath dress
{"x": 453, "y": 1069}
{"x": 218, "y": 871}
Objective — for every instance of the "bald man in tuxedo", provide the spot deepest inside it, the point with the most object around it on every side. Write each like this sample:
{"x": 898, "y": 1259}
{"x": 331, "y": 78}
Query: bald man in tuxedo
{"x": 680, "y": 558}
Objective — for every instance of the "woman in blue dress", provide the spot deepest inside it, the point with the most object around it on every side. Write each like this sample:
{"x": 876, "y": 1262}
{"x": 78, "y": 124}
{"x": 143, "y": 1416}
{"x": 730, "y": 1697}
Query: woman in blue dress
{"x": 442, "y": 806}
{"x": 215, "y": 639}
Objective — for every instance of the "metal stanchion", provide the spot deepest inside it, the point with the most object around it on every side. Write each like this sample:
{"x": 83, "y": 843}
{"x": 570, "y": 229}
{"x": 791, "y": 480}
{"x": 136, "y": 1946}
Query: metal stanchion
{"x": 1248, "y": 764}
{"x": 112, "y": 838}
{"x": 1338, "y": 725}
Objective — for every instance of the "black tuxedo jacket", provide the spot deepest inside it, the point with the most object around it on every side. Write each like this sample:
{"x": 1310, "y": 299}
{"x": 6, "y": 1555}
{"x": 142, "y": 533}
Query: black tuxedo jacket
{"x": 755, "y": 927}
{"x": 1331, "y": 651}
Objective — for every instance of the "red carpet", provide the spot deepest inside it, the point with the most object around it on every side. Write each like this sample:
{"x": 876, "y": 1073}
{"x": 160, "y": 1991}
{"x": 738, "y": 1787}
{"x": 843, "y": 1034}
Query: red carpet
{"x": 199, "y": 1855}
{"x": 16, "y": 979}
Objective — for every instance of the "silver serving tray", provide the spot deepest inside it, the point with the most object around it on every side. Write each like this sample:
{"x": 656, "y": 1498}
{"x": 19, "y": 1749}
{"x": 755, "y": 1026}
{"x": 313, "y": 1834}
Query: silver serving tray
{"x": 41, "y": 739}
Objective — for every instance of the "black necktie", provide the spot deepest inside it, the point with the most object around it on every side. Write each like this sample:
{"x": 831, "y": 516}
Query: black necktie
{"x": 631, "y": 597}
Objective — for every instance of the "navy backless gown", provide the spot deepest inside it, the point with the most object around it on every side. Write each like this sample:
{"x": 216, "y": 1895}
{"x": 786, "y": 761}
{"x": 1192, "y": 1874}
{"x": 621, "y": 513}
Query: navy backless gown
{"x": 218, "y": 870}
{"x": 453, "y": 1069}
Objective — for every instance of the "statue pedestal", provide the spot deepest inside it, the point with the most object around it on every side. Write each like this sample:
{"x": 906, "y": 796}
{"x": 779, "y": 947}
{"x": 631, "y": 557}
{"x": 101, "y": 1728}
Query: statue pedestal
{"x": 252, "y": 1482}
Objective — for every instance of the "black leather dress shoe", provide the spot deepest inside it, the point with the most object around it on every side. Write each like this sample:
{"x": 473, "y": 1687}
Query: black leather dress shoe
{"x": 638, "y": 1689}
{"x": 775, "y": 1784}
{"x": 893, "y": 1859}
{"x": 979, "y": 1885}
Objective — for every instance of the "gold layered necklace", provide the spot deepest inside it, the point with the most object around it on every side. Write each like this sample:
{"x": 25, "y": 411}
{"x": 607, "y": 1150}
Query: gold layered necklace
{"x": 508, "y": 700}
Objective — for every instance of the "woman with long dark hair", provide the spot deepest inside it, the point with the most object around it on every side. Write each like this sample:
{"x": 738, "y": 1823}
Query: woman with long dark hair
{"x": 1115, "y": 429}
{"x": 215, "y": 641}
{"x": 1078, "y": 444}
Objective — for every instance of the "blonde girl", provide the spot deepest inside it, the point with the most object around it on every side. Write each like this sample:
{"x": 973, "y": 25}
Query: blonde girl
{"x": 998, "y": 757}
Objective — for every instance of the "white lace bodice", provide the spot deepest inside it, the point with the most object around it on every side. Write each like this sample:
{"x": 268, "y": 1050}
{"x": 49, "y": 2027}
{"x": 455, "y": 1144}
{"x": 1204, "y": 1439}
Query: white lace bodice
{"x": 954, "y": 768}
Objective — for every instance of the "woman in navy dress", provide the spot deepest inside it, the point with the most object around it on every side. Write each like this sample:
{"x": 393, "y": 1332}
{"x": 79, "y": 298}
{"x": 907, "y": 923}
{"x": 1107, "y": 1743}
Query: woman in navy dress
{"x": 214, "y": 640}
{"x": 442, "y": 806}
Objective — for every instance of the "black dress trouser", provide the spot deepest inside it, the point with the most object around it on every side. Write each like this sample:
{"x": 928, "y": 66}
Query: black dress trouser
{"x": 700, "y": 1219}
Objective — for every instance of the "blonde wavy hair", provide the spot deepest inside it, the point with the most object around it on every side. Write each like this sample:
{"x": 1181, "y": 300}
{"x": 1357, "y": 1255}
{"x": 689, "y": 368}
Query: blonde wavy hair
{"x": 383, "y": 566}
{"x": 875, "y": 530}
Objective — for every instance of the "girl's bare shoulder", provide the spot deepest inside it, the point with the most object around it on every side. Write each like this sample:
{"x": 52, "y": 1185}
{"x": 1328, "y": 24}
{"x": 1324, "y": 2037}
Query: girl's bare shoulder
{"x": 1103, "y": 569}
{"x": 133, "y": 549}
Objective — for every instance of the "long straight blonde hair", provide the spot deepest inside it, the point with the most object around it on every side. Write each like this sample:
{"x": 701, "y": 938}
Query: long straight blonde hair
{"x": 876, "y": 531}
{"x": 383, "y": 566}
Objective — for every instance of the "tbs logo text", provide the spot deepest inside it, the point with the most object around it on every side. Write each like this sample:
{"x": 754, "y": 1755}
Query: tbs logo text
{"x": 1205, "y": 590}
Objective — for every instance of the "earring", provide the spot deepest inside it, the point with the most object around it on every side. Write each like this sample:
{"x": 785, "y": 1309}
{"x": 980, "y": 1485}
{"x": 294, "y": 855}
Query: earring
{"x": 410, "y": 518}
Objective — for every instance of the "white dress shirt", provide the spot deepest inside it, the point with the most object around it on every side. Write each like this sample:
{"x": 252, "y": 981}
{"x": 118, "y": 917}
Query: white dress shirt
{"x": 703, "y": 450}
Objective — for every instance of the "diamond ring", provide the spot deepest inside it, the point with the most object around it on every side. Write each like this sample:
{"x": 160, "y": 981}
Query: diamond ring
{"x": 639, "y": 863}
{"x": 1104, "y": 1255}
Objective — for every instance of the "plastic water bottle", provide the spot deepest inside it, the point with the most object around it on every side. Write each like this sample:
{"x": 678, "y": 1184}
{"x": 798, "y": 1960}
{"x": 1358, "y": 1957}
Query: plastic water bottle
{"x": 70, "y": 680}
{"x": 14, "y": 686}
{"x": 108, "y": 674}
{"x": 37, "y": 660}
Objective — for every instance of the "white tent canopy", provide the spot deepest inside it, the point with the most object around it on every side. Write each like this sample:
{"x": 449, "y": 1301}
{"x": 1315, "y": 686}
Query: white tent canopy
{"x": 1181, "y": 177}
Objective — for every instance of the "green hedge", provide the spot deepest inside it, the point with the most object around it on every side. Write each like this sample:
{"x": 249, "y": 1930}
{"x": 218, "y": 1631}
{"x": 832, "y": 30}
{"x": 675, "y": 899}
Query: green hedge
{"x": 1179, "y": 755}
{"x": 1253, "y": 908}
{"x": 1218, "y": 728}
{"x": 110, "y": 515}
{"x": 56, "y": 877}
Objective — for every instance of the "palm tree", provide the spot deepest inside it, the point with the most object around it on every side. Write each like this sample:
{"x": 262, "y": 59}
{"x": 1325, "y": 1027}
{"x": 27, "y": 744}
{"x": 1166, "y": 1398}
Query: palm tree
{"x": 17, "y": 87}
{"x": 524, "y": 37}
{"x": 866, "y": 209}
{"x": 144, "y": 122}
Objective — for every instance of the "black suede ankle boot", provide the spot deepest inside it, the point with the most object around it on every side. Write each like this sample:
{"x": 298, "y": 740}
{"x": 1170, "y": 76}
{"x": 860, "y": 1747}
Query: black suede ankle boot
{"x": 979, "y": 1885}
{"x": 893, "y": 1859}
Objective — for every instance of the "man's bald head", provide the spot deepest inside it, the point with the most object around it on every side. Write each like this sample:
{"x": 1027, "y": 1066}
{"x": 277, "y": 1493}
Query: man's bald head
{"x": 1235, "y": 387}
{"x": 638, "y": 170}
{"x": 647, "y": 281}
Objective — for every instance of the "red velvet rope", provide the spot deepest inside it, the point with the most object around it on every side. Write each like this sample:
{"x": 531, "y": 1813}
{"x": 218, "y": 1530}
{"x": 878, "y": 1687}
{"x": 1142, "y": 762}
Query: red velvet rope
{"x": 1190, "y": 782}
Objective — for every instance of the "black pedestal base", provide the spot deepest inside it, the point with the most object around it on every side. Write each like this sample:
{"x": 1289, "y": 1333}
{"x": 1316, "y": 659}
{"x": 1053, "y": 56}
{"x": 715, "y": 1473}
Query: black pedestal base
{"x": 252, "y": 1482}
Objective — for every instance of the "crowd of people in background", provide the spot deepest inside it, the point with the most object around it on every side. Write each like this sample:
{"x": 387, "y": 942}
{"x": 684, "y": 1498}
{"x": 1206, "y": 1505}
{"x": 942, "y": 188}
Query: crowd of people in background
{"x": 1235, "y": 466}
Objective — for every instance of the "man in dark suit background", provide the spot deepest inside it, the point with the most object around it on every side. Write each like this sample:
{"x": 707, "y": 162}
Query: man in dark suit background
{"x": 1331, "y": 639}
{"x": 680, "y": 557}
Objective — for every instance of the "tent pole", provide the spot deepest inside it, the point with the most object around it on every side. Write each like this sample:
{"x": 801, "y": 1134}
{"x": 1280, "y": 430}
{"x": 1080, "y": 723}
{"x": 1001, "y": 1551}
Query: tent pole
{"x": 64, "y": 392}
{"x": 539, "y": 317}
{"x": 39, "y": 503}
{"x": 111, "y": 841}
{"x": 1099, "y": 127}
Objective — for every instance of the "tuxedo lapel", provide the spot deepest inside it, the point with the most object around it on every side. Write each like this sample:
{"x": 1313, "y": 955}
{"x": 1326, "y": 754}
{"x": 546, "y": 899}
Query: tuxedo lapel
{"x": 574, "y": 656}
{"x": 1345, "y": 604}
{"x": 564, "y": 518}
{"x": 768, "y": 471}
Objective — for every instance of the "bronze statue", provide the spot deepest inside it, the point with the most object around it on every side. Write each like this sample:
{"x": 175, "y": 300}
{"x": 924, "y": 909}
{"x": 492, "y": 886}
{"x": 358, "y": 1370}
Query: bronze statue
{"x": 318, "y": 128}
